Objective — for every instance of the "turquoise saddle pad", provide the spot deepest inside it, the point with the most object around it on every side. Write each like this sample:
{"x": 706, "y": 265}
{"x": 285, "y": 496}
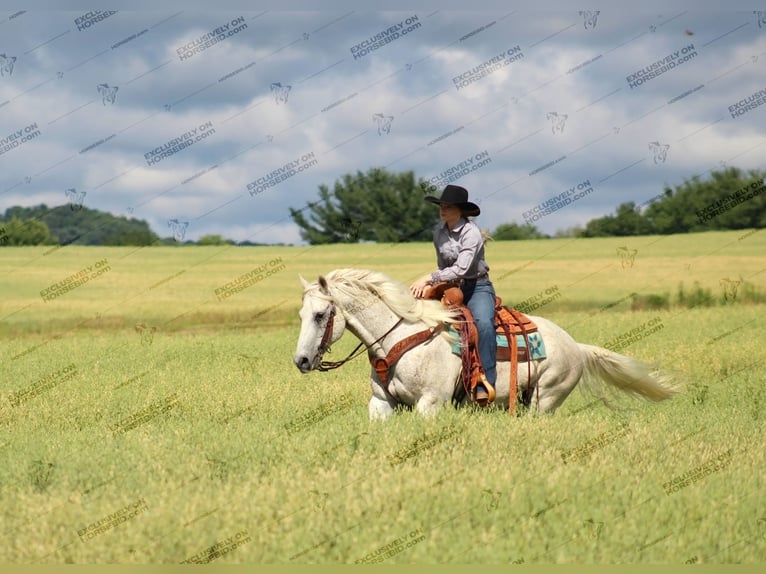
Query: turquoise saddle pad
{"x": 536, "y": 343}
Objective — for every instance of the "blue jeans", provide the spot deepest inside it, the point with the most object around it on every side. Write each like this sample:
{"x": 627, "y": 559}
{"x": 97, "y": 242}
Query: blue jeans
{"x": 479, "y": 297}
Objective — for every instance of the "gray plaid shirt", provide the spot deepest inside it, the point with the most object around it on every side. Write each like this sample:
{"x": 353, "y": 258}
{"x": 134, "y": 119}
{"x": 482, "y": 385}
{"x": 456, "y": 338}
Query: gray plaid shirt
{"x": 459, "y": 253}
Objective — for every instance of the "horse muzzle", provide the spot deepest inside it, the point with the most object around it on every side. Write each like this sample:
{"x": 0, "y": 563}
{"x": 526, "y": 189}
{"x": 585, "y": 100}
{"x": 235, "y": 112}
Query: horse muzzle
{"x": 303, "y": 363}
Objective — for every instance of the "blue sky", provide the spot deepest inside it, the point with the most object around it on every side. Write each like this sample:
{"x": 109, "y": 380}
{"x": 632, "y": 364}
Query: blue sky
{"x": 282, "y": 90}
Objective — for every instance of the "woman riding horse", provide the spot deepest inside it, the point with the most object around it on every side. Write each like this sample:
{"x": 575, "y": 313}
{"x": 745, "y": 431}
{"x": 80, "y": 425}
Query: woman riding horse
{"x": 460, "y": 258}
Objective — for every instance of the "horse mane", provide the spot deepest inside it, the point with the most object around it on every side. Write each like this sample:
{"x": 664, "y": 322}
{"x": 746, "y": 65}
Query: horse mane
{"x": 394, "y": 294}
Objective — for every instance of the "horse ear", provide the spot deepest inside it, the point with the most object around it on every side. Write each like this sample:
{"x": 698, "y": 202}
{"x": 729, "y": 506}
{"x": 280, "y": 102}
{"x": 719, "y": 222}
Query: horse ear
{"x": 323, "y": 285}
{"x": 304, "y": 283}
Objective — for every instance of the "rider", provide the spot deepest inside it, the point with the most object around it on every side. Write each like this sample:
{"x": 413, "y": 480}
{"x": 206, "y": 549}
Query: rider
{"x": 460, "y": 257}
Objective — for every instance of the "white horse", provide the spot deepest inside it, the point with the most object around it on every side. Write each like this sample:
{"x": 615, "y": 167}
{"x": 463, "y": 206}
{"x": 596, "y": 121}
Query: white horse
{"x": 380, "y": 312}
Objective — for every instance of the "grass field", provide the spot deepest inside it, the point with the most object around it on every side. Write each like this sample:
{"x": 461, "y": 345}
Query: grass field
{"x": 143, "y": 420}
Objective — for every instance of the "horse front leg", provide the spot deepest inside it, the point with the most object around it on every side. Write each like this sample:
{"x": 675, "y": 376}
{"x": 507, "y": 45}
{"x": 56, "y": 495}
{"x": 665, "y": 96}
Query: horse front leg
{"x": 380, "y": 407}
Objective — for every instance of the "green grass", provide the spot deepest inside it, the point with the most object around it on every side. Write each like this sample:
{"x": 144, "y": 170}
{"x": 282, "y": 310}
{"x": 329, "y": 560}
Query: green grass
{"x": 250, "y": 444}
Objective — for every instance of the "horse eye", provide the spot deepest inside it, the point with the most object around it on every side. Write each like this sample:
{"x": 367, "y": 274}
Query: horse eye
{"x": 318, "y": 317}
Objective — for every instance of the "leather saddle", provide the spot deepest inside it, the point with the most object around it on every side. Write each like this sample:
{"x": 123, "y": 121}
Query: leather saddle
{"x": 472, "y": 373}
{"x": 508, "y": 322}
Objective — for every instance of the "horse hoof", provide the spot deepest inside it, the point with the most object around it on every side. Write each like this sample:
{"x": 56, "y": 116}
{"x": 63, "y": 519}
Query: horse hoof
{"x": 481, "y": 397}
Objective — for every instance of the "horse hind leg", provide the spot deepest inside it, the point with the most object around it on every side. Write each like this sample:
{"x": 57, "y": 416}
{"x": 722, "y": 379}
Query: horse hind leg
{"x": 554, "y": 387}
{"x": 429, "y": 405}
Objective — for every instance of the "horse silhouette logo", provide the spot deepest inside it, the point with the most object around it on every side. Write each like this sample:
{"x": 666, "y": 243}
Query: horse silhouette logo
{"x": 41, "y": 474}
{"x": 280, "y": 92}
{"x": 383, "y": 122}
{"x": 557, "y": 121}
{"x": 730, "y": 288}
{"x": 320, "y": 499}
{"x": 146, "y": 332}
{"x": 108, "y": 93}
{"x": 699, "y": 394}
{"x": 762, "y": 525}
{"x": 6, "y": 65}
{"x": 247, "y": 363}
{"x": 659, "y": 151}
{"x": 494, "y": 499}
{"x": 627, "y": 256}
{"x": 178, "y": 228}
{"x": 759, "y": 14}
{"x": 353, "y": 226}
{"x": 592, "y": 528}
{"x": 75, "y": 198}
{"x": 589, "y": 18}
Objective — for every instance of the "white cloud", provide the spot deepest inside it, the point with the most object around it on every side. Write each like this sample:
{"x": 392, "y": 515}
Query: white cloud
{"x": 608, "y": 125}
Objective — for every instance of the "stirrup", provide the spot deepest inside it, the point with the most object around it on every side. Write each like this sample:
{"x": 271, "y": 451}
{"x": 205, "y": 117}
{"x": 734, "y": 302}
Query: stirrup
{"x": 483, "y": 398}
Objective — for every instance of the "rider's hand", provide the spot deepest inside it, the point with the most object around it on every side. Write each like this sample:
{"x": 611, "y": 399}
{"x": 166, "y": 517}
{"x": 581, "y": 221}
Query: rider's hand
{"x": 419, "y": 286}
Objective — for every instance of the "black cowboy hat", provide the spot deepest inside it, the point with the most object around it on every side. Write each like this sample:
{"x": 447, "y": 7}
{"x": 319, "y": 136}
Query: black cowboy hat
{"x": 456, "y": 195}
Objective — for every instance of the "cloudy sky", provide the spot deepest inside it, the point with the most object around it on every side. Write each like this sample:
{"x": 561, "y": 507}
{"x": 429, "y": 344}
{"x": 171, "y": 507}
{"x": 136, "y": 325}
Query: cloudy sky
{"x": 225, "y": 119}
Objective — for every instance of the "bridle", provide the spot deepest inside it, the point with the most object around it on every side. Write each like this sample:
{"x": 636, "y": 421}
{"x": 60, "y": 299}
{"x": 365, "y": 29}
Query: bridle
{"x": 324, "y": 345}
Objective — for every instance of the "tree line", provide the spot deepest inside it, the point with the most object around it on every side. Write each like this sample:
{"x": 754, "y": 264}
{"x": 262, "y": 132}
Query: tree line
{"x": 385, "y": 207}
{"x": 79, "y": 225}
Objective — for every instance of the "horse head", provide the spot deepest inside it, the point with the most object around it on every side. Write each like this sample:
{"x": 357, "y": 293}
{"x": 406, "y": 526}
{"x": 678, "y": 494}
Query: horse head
{"x": 321, "y": 324}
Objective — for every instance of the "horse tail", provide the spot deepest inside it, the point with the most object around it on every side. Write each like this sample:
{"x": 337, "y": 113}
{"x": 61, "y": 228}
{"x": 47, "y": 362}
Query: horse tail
{"x": 626, "y": 374}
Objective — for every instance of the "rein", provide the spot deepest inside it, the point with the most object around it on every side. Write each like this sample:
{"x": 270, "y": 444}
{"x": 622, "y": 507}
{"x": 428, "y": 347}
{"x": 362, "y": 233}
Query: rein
{"x": 327, "y": 336}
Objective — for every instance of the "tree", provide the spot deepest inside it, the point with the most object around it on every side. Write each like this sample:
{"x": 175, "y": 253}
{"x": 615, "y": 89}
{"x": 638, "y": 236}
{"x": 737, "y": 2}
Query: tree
{"x": 212, "y": 239}
{"x": 374, "y": 206}
{"x": 514, "y": 231}
{"x": 730, "y": 199}
{"x": 677, "y": 211}
{"x": 84, "y": 226}
{"x": 31, "y": 232}
{"x": 627, "y": 221}
{"x": 574, "y": 231}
